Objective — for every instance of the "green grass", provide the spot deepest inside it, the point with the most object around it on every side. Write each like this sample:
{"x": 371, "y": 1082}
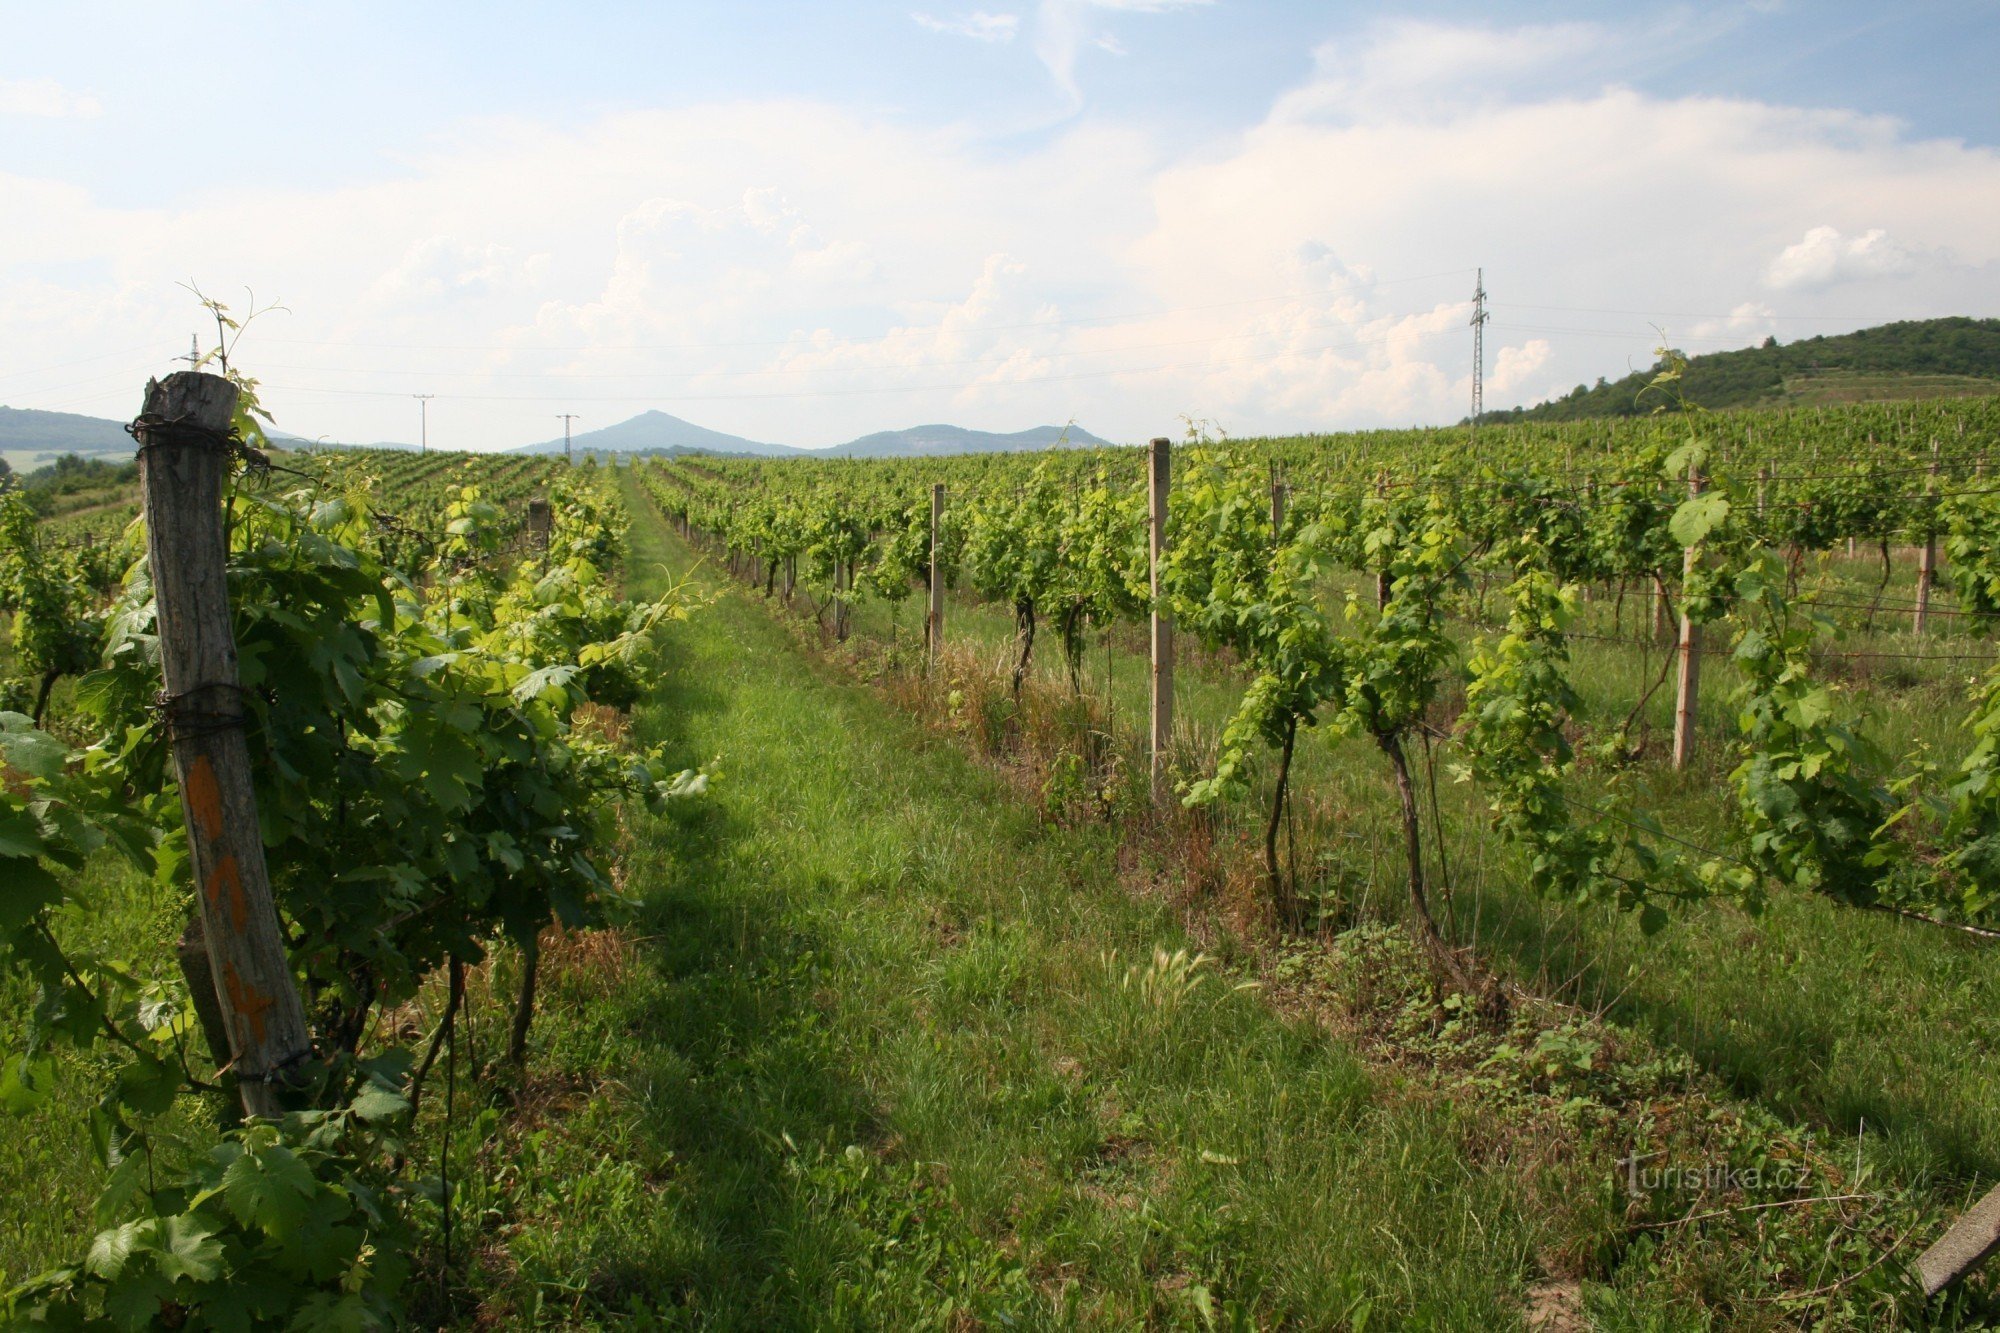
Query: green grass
{"x": 49, "y": 1173}
{"x": 879, "y": 1046}
{"x": 1855, "y": 1021}
{"x": 892, "y": 1053}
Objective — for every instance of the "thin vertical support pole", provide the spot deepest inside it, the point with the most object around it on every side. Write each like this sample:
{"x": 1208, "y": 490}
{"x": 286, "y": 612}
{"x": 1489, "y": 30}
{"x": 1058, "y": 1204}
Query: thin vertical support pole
{"x": 1927, "y": 557}
{"x": 934, "y": 624}
{"x": 1159, "y": 480}
{"x": 1687, "y": 693}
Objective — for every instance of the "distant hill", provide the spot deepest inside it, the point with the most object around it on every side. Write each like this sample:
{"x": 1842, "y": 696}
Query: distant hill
{"x": 29, "y": 438}
{"x": 656, "y": 433}
{"x": 1914, "y": 359}
{"x": 662, "y": 433}
{"x": 928, "y": 441}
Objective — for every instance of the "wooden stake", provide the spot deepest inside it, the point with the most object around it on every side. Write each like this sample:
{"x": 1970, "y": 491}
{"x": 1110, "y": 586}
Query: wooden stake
{"x": 934, "y": 625}
{"x": 1687, "y": 692}
{"x": 182, "y": 467}
{"x": 1159, "y": 480}
{"x": 1277, "y": 514}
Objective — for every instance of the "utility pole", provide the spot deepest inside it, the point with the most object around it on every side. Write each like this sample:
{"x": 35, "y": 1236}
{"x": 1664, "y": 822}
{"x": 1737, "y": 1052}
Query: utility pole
{"x": 567, "y": 417}
{"x": 423, "y": 422}
{"x": 193, "y": 358}
{"x": 1479, "y": 318}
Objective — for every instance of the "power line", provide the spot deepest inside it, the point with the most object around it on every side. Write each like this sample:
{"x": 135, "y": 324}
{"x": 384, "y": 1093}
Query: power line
{"x": 787, "y": 342}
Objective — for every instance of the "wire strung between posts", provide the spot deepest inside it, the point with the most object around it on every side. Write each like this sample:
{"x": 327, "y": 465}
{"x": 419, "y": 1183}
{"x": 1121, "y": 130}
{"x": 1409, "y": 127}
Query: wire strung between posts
{"x": 185, "y": 723}
{"x": 154, "y": 431}
{"x": 280, "y": 1074}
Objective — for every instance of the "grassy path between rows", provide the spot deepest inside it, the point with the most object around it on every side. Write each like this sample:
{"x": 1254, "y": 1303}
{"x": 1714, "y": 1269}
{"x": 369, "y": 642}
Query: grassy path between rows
{"x": 885, "y": 1051}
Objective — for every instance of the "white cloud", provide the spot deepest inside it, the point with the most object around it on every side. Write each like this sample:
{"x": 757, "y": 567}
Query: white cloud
{"x": 1514, "y": 365}
{"x": 807, "y": 273}
{"x": 1063, "y": 28}
{"x": 44, "y": 98}
{"x": 1419, "y": 69}
{"x": 448, "y": 268}
{"x": 1825, "y": 257}
{"x": 978, "y": 25}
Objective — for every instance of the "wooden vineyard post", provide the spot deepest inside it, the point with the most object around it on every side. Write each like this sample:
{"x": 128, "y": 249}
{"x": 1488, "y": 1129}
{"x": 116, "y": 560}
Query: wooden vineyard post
{"x": 934, "y": 624}
{"x": 1277, "y": 514}
{"x": 1687, "y": 692}
{"x": 184, "y": 457}
{"x": 1159, "y": 478}
{"x": 1927, "y": 556}
{"x": 541, "y": 521}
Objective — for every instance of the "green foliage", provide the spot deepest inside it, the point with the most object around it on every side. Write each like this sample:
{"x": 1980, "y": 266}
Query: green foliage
{"x": 56, "y": 620}
{"x": 423, "y": 787}
{"x": 300, "y": 1223}
{"x": 1809, "y": 793}
{"x": 1758, "y": 375}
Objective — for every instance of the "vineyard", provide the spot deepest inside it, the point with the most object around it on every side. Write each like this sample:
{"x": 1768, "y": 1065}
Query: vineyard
{"x": 1253, "y": 883}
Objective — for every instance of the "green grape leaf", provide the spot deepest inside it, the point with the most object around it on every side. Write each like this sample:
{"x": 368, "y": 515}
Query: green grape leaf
{"x": 270, "y": 1189}
{"x": 1698, "y": 516}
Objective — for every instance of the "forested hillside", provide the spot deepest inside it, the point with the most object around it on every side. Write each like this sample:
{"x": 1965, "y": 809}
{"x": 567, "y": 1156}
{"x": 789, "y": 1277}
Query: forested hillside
{"x": 1913, "y": 359}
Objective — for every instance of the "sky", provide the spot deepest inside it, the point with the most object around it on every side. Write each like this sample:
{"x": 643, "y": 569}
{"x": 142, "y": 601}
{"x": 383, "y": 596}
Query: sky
{"x": 803, "y": 222}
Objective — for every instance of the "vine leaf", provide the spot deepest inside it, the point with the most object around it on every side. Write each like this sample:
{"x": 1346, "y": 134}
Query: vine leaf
{"x": 270, "y": 1189}
{"x": 1698, "y": 516}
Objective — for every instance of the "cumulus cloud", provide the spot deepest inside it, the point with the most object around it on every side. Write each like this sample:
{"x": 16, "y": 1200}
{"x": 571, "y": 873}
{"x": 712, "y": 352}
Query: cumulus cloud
{"x": 44, "y": 98}
{"x": 1825, "y": 257}
{"x": 445, "y": 268}
{"x": 978, "y": 25}
{"x": 806, "y": 273}
{"x": 1514, "y": 366}
{"x": 1413, "y": 68}
{"x": 1064, "y": 28}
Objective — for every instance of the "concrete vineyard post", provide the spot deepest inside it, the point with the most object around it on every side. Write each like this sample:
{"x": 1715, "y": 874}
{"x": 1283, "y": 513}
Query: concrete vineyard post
{"x": 1687, "y": 691}
{"x": 934, "y": 625}
{"x": 1382, "y": 579}
{"x": 183, "y": 461}
{"x": 1159, "y": 479}
{"x": 841, "y": 570}
{"x": 1965, "y": 1245}
{"x": 1927, "y": 555}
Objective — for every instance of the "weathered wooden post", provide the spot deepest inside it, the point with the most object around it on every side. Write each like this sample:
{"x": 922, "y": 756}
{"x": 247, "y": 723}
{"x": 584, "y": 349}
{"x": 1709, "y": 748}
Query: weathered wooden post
{"x": 184, "y": 457}
{"x": 1277, "y": 513}
{"x": 1159, "y": 480}
{"x": 541, "y": 520}
{"x": 1688, "y": 691}
{"x": 934, "y": 623}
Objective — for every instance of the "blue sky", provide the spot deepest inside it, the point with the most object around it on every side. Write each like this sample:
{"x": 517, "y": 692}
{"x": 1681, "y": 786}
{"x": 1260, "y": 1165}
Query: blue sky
{"x": 805, "y": 221}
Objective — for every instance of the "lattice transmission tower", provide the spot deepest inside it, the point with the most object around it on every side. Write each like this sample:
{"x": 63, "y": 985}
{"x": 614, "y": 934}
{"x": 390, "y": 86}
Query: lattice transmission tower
{"x": 1479, "y": 318}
